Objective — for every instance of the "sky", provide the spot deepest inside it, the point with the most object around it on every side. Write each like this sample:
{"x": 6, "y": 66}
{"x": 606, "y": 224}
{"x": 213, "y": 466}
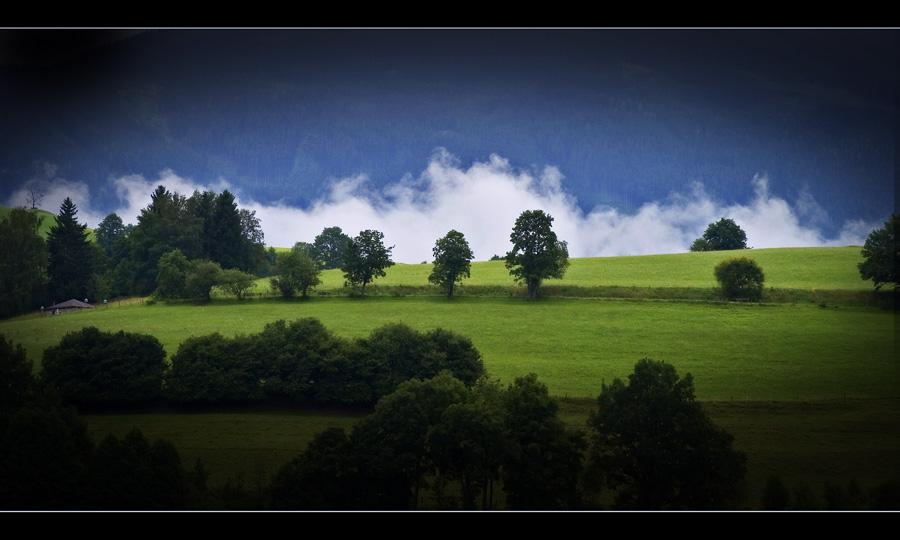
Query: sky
{"x": 477, "y": 199}
{"x": 480, "y": 199}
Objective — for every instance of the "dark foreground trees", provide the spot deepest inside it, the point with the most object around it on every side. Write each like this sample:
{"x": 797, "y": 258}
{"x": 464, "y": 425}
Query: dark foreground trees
{"x": 722, "y": 235}
{"x": 882, "y": 255}
{"x": 653, "y": 444}
{"x": 301, "y": 362}
{"x": 460, "y": 443}
{"x": 740, "y": 277}
{"x": 94, "y": 368}
{"x": 537, "y": 254}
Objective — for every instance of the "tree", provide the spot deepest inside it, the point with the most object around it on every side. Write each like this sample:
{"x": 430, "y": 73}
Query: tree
{"x": 91, "y": 367}
{"x": 171, "y": 276}
{"x": 16, "y": 379}
{"x": 330, "y": 246}
{"x": 71, "y": 263}
{"x": 23, "y": 262}
{"x": 537, "y": 254}
{"x": 295, "y": 272}
{"x": 882, "y": 254}
{"x": 34, "y": 194}
{"x": 224, "y": 241}
{"x": 656, "y": 446}
{"x": 109, "y": 230}
{"x": 722, "y": 235}
{"x": 740, "y": 277}
{"x": 452, "y": 258}
{"x": 236, "y": 283}
{"x": 166, "y": 224}
{"x": 542, "y": 470}
{"x": 365, "y": 258}
{"x": 204, "y": 275}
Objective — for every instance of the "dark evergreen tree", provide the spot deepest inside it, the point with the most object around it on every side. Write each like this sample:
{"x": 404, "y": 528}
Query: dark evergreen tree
{"x": 224, "y": 240}
{"x": 109, "y": 230}
{"x": 72, "y": 261}
{"x": 165, "y": 225}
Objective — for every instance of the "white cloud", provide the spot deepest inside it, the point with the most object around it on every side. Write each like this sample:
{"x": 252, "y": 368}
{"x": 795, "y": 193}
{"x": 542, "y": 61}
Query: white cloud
{"x": 483, "y": 202}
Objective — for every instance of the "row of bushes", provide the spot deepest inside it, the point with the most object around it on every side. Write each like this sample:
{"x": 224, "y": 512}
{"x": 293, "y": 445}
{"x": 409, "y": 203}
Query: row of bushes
{"x": 298, "y": 362}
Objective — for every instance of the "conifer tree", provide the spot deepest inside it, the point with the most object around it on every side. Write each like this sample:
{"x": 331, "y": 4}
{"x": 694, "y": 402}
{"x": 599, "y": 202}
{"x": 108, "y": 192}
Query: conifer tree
{"x": 71, "y": 264}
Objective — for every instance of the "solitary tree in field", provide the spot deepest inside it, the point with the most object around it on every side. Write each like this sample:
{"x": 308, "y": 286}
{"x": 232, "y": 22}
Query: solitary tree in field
{"x": 740, "y": 277}
{"x": 34, "y": 195}
{"x": 365, "y": 258}
{"x": 882, "y": 254}
{"x": 722, "y": 235}
{"x": 537, "y": 254}
{"x": 452, "y": 257}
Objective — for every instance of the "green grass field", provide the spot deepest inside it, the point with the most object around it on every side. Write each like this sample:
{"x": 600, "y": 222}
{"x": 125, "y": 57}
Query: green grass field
{"x": 808, "y": 385}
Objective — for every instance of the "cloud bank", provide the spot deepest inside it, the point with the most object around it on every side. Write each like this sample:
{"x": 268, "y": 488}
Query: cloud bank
{"x": 483, "y": 202}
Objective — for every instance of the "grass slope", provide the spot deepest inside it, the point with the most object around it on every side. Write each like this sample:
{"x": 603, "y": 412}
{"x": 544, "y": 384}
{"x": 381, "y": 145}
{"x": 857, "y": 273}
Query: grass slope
{"x": 785, "y": 268}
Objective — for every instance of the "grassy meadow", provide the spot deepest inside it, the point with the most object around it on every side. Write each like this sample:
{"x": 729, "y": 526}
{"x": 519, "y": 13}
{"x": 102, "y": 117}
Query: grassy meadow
{"x": 807, "y": 380}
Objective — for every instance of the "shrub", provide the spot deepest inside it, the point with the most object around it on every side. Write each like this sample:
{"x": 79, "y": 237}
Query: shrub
{"x": 740, "y": 277}
{"x": 90, "y": 367}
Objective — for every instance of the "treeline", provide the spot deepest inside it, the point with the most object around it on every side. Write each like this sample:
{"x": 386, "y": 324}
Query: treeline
{"x": 293, "y": 363}
{"x": 222, "y": 244}
{"x": 432, "y": 441}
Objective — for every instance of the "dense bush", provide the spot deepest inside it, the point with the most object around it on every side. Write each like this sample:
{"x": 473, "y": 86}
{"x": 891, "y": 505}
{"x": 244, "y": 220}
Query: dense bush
{"x": 302, "y": 362}
{"x": 740, "y": 277}
{"x": 95, "y": 368}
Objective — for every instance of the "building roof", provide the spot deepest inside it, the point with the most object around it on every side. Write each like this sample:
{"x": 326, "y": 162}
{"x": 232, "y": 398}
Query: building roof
{"x": 70, "y": 304}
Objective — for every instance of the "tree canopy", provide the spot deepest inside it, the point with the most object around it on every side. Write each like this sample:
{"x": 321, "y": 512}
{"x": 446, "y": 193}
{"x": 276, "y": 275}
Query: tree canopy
{"x": 740, "y": 277}
{"x": 452, "y": 261}
{"x": 92, "y": 367}
{"x": 882, "y": 254}
{"x": 71, "y": 264}
{"x": 366, "y": 258}
{"x": 656, "y": 447}
{"x": 722, "y": 235}
{"x": 296, "y": 271}
{"x": 23, "y": 262}
{"x": 537, "y": 254}
{"x": 329, "y": 247}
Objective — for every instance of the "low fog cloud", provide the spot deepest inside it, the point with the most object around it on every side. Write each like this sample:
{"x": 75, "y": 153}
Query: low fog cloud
{"x": 483, "y": 202}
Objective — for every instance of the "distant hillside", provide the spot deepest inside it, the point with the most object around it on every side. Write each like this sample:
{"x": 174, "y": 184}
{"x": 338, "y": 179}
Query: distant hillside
{"x": 48, "y": 220}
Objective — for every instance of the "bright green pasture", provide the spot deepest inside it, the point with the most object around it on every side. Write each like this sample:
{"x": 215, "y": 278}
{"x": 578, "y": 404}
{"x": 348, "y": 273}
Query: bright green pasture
{"x": 49, "y": 219}
{"x": 784, "y": 268}
{"x": 734, "y": 351}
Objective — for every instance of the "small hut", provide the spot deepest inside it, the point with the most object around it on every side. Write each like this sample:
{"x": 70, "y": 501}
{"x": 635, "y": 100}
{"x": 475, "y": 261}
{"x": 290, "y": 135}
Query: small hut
{"x": 67, "y": 307}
